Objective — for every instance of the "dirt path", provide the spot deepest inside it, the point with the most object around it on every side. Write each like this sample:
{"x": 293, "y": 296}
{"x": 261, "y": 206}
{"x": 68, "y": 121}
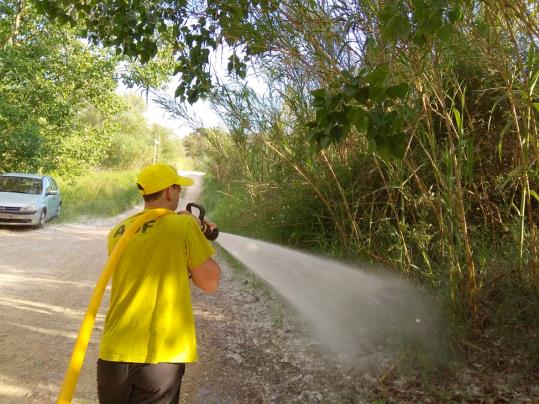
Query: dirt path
{"x": 250, "y": 349}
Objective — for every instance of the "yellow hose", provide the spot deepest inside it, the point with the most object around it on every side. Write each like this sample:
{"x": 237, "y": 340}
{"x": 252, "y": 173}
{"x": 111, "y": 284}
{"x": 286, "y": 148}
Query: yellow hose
{"x": 79, "y": 350}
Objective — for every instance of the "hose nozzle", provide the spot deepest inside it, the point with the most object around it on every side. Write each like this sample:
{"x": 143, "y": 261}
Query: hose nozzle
{"x": 210, "y": 233}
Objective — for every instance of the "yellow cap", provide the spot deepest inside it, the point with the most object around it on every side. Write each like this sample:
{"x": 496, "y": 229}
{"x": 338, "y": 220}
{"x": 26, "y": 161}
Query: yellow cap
{"x": 155, "y": 177}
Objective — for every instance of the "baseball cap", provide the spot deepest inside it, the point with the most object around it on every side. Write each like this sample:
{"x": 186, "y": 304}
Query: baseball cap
{"x": 158, "y": 176}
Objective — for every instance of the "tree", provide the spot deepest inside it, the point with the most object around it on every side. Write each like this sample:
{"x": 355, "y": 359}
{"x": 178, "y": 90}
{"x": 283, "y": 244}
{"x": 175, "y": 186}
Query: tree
{"x": 192, "y": 30}
{"x": 132, "y": 141}
{"x": 50, "y": 79}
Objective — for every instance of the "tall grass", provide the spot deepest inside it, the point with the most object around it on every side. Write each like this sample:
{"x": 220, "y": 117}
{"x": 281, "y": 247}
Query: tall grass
{"x": 98, "y": 194}
{"x": 456, "y": 212}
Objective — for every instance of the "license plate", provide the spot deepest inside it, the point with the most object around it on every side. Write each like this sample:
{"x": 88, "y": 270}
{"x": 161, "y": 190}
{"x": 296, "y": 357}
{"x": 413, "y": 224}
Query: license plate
{"x": 6, "y": 216}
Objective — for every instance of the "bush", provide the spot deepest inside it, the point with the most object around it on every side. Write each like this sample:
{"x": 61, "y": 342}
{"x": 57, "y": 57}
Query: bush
{"x": 98, "y": 194}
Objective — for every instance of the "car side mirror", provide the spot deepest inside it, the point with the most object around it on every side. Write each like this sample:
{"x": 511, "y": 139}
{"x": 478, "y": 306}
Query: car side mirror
{"x": 52, "y": 192}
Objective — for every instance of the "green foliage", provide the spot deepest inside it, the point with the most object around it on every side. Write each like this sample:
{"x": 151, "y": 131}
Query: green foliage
{"x": 58, "y": 107}
{"x": 367, "y": 103}
{"x": 283, "y": 215}
{"x": 171, "y": 147}
{"x": 427, "y": 20}
{"x": 425, "y": 135}
{"x": 46, "y": 86}
{"x": 132, "y": 142}
{"x": 98, "y": 194}
{"x": 212, "y": 149}
{"x": 154, "y": 74}
{"x": 191, "y": 31}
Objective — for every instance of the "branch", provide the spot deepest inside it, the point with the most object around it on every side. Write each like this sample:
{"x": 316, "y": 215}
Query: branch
{"x": 16, "y": 25}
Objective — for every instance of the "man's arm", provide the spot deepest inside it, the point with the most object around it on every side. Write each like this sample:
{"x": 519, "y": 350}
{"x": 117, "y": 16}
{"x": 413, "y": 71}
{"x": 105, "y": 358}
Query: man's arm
{"x": 206, "y": 276}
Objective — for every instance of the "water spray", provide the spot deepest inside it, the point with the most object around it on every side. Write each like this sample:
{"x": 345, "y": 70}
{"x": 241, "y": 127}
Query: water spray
{"x": 347, "y": 307}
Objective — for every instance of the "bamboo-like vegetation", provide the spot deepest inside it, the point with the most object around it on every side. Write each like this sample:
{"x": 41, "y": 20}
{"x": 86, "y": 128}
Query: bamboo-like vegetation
{"x": 459, "y": 203}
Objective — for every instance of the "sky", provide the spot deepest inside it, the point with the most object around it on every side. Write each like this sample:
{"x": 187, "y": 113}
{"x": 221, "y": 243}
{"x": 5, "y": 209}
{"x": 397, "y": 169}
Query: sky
{"x": 156, "y": 115}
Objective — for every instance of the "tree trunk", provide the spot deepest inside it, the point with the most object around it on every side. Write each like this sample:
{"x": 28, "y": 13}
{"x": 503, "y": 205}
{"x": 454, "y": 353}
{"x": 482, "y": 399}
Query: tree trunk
{"x": 16, "y": 25}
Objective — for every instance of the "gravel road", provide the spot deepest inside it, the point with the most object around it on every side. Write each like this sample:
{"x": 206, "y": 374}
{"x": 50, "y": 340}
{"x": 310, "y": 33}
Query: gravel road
{"x": 250, "y": 348}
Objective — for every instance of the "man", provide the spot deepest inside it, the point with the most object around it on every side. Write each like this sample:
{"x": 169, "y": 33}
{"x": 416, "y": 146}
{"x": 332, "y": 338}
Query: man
{"x": 149, "y": 331}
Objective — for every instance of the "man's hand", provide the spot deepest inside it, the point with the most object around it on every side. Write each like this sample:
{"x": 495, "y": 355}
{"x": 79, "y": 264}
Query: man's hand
{"x": 185, "y": 212}
{"x": 211, "y": 225}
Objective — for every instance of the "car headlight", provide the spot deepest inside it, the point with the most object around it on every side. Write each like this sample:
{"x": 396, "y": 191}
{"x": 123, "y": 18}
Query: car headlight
{"x": 30, "y": 207}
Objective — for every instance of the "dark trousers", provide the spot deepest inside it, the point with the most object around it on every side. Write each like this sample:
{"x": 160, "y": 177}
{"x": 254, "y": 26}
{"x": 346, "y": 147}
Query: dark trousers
{"x": 130, "y": 383}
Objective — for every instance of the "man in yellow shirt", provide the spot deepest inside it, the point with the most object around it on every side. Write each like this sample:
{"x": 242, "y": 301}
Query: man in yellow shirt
{"x": 149, "y": 331}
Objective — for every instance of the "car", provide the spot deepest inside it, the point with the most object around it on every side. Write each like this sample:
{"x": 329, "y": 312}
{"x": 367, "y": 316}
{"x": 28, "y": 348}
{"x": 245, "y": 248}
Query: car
{"x": 28, "y": 199}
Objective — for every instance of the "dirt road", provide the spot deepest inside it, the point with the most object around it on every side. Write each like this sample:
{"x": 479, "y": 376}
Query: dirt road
{"x": 250, "y": 349}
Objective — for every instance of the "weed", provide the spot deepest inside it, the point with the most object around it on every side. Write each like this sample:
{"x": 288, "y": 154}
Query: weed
{"x": 98, "y": 194}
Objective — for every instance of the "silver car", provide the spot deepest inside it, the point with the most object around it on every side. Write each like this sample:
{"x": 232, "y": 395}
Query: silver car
{"x": 28, "y": 199}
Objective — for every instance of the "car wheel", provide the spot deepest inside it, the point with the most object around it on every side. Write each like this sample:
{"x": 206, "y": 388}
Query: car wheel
{"x": 59, "y": 210}
{"x": 41, "y": 223}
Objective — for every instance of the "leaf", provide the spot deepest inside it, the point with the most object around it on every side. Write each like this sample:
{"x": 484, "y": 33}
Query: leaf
{"x": 534, "y": 80}
{"x": 536, "y": 106}
{"x": 319, "y": 93}
{"x": 530, "y": 61}
{"x": 534, "y": 194}
{"x": 362, "y": 95}
{"x": 179, "y": 91}
{"x": 397, "y": 145}
{"x": 438, "y": 5}
{"x": 455, "y": 14}
{"x": 469, "y": 161}
{"x": 322, "y": 117}
{"x": 378, "y": 76}
{"x": 398, "y": 91}
{"x": 458, "y": 119}
{"x": 316, "y": 135}
{"x": 396, "y": 121}
{"x": 396, "y": 28}
{"x": 233, "y": 63}
{"x": 349, "y": 91}
{"x": 377, "y": 93}
{"x": 444, "y": 32}
{"x": 420, "y": 38}
{"x": 324, "y": 142}
{"x": 242, "y": 73}
{"x": 384, "y": 151}
{"x": 192, "y": 96}
{"x": 319, "y": 103}
{"x": 356, "y": 116}
{"x": 334, "y": 103}
{"x": 500, "y": 99}
{"x": 502, "y": 134}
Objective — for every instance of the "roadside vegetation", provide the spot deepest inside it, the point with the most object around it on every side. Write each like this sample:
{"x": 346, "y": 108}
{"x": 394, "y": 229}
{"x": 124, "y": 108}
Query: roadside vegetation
{"x": 413, "y": 146}
{"x": 404, "y": 132}
{"x": 98, "y": 194}
{"x": 60, "y": 114}
{"x": 108, "y": 188}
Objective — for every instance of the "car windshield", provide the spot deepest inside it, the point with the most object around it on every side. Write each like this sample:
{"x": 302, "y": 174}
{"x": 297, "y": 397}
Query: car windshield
{"x": 22, "y": 185}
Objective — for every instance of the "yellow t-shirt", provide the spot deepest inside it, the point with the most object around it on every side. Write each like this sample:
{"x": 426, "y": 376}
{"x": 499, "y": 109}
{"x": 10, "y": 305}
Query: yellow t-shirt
{"x": 150, "y": 318}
